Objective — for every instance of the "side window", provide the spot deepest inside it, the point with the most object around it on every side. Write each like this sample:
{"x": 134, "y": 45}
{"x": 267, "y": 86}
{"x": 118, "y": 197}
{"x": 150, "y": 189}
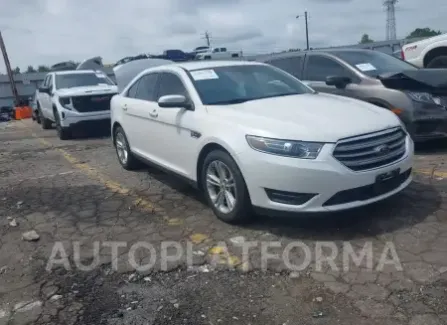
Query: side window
{"x": 50, "y": 81}
{"x": 45, "y": 82}
{"x": 290, "y": 65}
{"x": 146, "y": 87}
{"x": 318, "y": 68}
{"x": 170, "y": 84}
{"x": 132, "y": 92}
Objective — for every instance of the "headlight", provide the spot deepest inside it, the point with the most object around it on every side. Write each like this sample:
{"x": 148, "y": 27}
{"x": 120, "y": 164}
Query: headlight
{"x": 287, "y": 148}
{"x": 421, "y": 97}
{"x": 66, "y": 102}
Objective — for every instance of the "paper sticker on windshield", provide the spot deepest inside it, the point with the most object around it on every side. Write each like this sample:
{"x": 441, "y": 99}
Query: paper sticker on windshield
{"x": 204, "y": 74}
{"x": 365, "y": 67}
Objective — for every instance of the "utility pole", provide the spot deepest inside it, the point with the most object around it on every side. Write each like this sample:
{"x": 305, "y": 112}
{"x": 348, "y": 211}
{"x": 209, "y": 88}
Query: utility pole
{"x": 390, "y": 6}
{"x": 9, "y": 71}
{"x": 207, "y": 37}
{"x": 307, "y": 28}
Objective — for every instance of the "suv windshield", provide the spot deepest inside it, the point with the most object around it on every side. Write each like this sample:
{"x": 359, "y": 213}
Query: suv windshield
{"x": 81, "y": 80}
{"x": 241, "y": 83}
{"x": 373, "y": 63}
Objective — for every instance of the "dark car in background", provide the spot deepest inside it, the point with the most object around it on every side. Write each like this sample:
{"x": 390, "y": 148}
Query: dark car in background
{"x": 417, "y": 96}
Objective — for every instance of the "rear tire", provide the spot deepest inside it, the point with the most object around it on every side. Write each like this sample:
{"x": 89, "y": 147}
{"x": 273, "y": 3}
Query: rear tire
{"x": 224, "y": 188}
{"x": 125, "y": 156}
{"x": 438, "y": 62}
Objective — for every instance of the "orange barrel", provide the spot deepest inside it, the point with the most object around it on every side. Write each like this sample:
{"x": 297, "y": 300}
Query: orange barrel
{"x": 18, "y": 113}
{"x": 27, "y": 112}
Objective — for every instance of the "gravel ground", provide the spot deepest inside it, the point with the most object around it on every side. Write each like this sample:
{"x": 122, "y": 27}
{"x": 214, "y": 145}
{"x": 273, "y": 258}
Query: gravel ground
{"x": 71, "y": 193}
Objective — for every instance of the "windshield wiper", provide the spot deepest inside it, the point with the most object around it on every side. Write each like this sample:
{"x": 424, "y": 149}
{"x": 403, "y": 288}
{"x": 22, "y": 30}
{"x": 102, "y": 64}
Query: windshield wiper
{"x": 231, "y": 101}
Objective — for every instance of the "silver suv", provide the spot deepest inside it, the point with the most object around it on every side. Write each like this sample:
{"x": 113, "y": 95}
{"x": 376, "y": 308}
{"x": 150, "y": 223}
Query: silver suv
{"x": 417, "y": 96}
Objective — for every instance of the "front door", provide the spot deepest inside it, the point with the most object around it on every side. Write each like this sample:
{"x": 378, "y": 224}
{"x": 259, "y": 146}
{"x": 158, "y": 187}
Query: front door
{"x": 45, "y": 99}
{"x": 318, "y": 67}
{"x": 179, "y": 127}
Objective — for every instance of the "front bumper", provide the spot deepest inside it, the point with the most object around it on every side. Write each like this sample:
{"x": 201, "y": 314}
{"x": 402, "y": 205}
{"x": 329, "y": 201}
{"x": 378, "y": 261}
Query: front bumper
{"x": 427, "y": 122}
{"x": 428, "y": 129}
{"x": 71, "y": 119}
{"x": 335, "y": 187}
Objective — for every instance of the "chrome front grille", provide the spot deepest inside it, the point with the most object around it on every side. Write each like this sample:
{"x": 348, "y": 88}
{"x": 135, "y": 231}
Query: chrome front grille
{"x": 371, "y": 150}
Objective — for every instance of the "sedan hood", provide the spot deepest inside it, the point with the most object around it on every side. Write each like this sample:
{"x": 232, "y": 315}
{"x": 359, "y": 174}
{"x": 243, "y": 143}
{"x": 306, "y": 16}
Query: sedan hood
{"x": 433, "y": 81}
{"x": 308, "y": 117}
{"x": 88, "y": 90}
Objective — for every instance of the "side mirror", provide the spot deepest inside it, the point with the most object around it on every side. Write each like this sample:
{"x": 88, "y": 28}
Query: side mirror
{"x": 338, "y": 81}
{"x": 174, "y": 101}
{"x": 44, "y": 90}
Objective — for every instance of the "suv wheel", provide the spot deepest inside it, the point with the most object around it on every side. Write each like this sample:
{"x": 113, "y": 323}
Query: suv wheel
{"x": 125, "y": 156}
{"x": 63, "y": 133}
{"x": 225, "y": 188}
{"x": 438, "y": 62}
{"x": 46, "y": 123}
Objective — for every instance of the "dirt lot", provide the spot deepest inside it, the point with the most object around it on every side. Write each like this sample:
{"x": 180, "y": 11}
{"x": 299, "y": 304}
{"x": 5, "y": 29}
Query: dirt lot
{"x": 74, "y": 195}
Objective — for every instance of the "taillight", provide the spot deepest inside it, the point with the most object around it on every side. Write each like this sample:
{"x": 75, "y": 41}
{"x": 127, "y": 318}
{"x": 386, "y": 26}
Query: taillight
{"x": 402, "y": 54}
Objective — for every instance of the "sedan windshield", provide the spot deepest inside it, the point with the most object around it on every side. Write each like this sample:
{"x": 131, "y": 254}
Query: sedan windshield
{"x": 241, "y": 83}
{"x": 373, "y": 63}
{"x": 81, "y": 80}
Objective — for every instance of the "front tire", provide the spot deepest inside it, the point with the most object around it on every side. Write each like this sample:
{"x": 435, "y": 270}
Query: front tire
{"x": 125, "y": 156}
{"x": 438, "y": 62}
{"x": 225, "y": 189}
{"x": 63, "y": 133}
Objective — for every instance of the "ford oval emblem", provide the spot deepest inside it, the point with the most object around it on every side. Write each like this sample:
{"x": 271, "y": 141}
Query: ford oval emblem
{"x": 383, "y": 149}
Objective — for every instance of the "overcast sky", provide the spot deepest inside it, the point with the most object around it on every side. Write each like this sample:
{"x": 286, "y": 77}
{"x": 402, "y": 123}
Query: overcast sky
{"x": 49, "y": 31}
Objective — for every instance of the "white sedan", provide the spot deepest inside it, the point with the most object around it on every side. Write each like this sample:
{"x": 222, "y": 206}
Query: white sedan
{"x": 253, "y": 137}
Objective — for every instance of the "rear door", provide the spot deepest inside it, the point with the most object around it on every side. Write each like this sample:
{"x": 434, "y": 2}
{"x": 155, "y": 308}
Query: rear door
{"x": 319, "y": 66}
{"x": 292, "y": 65}
{"x": 139, "y": 111}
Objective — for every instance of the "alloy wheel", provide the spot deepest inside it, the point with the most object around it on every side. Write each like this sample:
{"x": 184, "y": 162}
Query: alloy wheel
{"x": 121, "y": 148}
{"x": 221, "y": 186}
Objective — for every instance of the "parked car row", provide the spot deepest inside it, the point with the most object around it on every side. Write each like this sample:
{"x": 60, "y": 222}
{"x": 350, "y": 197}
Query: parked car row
{"x": 337, "y": 127}
{"x": 199, "y": 53}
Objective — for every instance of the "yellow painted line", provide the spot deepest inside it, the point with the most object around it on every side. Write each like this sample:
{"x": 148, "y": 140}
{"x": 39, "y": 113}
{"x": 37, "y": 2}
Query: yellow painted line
{"x": 139, "y": 202}
{"x": 430, "y": 172}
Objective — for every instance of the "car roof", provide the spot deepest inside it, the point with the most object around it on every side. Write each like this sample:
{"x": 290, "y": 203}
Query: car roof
{"x": 196, "y": 65}
{"x": 333, "y": 51}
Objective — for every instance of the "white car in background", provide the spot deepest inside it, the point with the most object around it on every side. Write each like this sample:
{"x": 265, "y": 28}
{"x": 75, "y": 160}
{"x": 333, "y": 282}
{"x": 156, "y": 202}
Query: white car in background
{"x": 218, "y": 53}
{"x": 74, "y": 99}
{"x": 252, "y": 136}
{"x": 427, "y": 53}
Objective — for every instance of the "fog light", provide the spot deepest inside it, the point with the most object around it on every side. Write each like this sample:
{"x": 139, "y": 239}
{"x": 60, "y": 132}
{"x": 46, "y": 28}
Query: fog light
{"x": 290, "y": 198}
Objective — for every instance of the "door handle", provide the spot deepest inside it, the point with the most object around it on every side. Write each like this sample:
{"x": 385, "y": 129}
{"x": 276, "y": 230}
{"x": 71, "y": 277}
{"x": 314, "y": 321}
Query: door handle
{"x": 153, "y": 114}
{"x": 125, "y": 107}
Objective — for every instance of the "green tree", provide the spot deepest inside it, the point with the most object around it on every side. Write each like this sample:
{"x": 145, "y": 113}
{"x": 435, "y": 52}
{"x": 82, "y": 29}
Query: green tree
{"x": 365, "y": 39}
{"x": 16, "y": 70}
{"x": 43, "y": 68}
{"x": 30, "y": 69}
{"x": 423, "y": 32}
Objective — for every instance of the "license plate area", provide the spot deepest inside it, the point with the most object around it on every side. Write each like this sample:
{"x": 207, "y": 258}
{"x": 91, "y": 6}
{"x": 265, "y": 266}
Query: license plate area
{"x": 386, "y": 182}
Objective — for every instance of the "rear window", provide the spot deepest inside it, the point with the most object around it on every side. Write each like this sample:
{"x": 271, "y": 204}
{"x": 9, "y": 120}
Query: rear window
{"x": 373, "y": 63}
